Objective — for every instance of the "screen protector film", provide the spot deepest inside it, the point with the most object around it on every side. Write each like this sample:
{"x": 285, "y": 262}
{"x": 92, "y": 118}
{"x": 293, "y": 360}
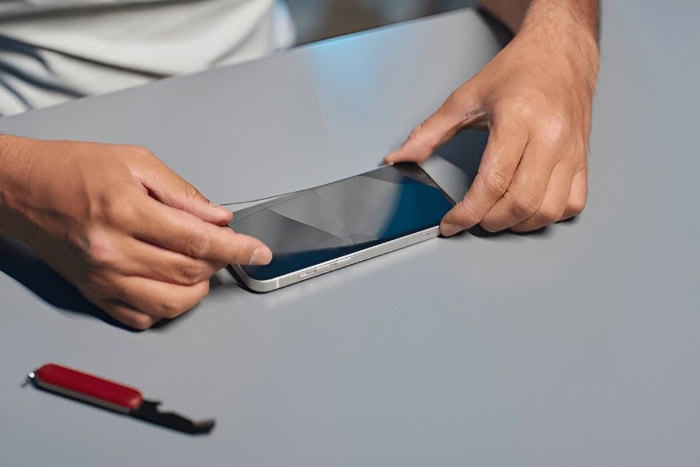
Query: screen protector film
{"x": 323, "y": 223}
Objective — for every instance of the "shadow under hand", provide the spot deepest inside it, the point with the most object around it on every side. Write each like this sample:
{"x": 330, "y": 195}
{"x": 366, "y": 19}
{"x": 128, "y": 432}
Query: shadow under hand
{"x": 21, "y": 263}
{"x": 478, "y": 231}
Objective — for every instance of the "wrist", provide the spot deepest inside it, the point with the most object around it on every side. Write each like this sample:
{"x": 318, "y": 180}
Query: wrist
{"x": 577, "y": 19}
{"x": 15, "y": 166}
{"x": 565, "y": 31}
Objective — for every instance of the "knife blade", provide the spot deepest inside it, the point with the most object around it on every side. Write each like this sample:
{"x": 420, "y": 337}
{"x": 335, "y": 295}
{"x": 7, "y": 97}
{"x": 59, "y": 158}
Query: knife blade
{"x": 113, "y": 396}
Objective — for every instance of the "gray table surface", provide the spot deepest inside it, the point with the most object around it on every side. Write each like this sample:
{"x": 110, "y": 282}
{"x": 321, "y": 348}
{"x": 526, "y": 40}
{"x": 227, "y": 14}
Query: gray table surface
{"x": 576, "y": 347}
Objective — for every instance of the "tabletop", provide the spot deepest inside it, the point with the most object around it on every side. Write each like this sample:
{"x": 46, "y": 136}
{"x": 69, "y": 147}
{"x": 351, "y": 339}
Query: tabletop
{"x": 576, "y": 346}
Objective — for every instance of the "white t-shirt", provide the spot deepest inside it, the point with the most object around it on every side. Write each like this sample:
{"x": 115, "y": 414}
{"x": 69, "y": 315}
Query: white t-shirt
{"x": 54, "y": 50}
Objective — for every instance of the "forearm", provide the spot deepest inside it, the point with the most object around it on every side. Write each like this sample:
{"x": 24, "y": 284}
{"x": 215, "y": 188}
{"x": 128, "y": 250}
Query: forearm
{"x": 521, "y": 13}
{"x": 12, "y": 169}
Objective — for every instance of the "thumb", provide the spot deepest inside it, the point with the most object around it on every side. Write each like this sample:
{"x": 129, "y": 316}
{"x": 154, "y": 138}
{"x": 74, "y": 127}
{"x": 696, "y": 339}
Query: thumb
{"x": 438, "y": 129}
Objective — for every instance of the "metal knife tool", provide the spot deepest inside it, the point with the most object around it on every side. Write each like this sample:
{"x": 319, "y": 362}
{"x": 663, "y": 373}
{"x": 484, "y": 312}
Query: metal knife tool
{"x": 112, "y": 396}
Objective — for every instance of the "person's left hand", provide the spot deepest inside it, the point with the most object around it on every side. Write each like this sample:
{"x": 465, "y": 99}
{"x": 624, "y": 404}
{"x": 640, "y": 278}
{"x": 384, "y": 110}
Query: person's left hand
{"x": 535, "y": 97}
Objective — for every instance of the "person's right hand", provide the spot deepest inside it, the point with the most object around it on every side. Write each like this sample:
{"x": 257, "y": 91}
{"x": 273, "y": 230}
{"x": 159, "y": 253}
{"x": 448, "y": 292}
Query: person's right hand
{"x": 137, "y": 240}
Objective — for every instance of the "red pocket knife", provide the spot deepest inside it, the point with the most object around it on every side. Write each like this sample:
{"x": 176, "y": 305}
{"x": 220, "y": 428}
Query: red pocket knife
{"x": 112, "y": 396}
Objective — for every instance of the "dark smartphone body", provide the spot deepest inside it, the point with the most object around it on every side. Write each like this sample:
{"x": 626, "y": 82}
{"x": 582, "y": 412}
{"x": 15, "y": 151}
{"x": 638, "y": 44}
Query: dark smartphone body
{"x": 321, "y": 229}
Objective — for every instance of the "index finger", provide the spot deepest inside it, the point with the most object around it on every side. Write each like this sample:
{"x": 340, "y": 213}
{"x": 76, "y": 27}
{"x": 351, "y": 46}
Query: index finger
{"x": 502, "y": 155}
{"x": 185, "y": 233}
{"x": 460, "y": 110}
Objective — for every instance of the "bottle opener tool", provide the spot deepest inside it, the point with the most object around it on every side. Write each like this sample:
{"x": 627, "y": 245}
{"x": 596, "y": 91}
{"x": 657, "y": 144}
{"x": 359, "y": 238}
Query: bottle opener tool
{"x": 113, "y": 396}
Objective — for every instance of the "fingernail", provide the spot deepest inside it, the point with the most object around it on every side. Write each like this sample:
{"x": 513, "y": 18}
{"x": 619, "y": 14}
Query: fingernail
{"x": 261, "y": 256}
{"x": 448, "y": 230}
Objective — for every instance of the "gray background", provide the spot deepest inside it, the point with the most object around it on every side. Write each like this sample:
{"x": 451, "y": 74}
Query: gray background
{"x": 574, "y": 347}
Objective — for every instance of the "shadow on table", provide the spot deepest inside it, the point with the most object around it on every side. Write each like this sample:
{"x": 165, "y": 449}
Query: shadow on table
{"x": 20, "y": 262}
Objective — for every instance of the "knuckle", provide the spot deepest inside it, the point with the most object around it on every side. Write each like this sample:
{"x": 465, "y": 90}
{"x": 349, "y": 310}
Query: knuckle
{"x": 127, "y": 315}
{"x": 576, "y": 205}
{"x": 169, "y": 308}
{"x": 547, "y": 215}
{"x": 416, "y": 132}
{"x": 555, "y": 128}
{"x": 463, "y": 215}
{"x": 190, "y": 273}
{"x": 552, "y": 126}
{"x": 173, "y": 306}
{"x": 110, "y": 208}
{"x": 96, "y": 248}
{"x": 119, "y": 290}
{"x": 525, "y": 205}
{"x": 520, "y": 107}
{"x": 496, "y": 182}
{"x": 421, "y": 137}
{"x": 198, "y": 245}
{"x": 490, "y": 226}
{"x": 114, "y": 210}
{"x": 140, "y": 151}
{"x": 140, "y": 322}
{"x": 454, "y": 103}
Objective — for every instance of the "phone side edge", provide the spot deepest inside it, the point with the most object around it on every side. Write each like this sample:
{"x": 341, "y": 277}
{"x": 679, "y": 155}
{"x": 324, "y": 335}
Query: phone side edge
{"x": 263, "y": 286}
{"x": 252, "y": 284}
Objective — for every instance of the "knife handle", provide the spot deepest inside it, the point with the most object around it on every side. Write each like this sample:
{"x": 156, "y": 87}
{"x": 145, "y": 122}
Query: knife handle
{"x": 87, "y": 388}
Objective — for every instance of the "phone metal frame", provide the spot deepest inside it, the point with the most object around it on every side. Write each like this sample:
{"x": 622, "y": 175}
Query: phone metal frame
{"x": 269, "y": 285}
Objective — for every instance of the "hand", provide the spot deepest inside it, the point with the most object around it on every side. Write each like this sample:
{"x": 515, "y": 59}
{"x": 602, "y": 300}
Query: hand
{"x": 535, "y": 97}
{"x": 137, "y": 240}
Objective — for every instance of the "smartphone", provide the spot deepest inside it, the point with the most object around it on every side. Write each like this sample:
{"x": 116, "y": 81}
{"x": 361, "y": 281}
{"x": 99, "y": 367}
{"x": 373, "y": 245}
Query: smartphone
{"x": 315, "y": 231}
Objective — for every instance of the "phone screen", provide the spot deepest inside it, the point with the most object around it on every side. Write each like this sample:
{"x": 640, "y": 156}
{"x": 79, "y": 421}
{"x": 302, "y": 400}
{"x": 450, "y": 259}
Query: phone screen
{"x": 327, "y": 222}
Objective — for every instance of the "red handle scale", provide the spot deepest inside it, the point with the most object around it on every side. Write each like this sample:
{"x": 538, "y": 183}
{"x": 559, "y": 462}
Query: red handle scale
{"x": 88, "y": 388}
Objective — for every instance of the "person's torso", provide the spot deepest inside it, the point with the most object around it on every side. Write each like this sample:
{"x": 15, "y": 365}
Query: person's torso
{"x": 51, "y": 50}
